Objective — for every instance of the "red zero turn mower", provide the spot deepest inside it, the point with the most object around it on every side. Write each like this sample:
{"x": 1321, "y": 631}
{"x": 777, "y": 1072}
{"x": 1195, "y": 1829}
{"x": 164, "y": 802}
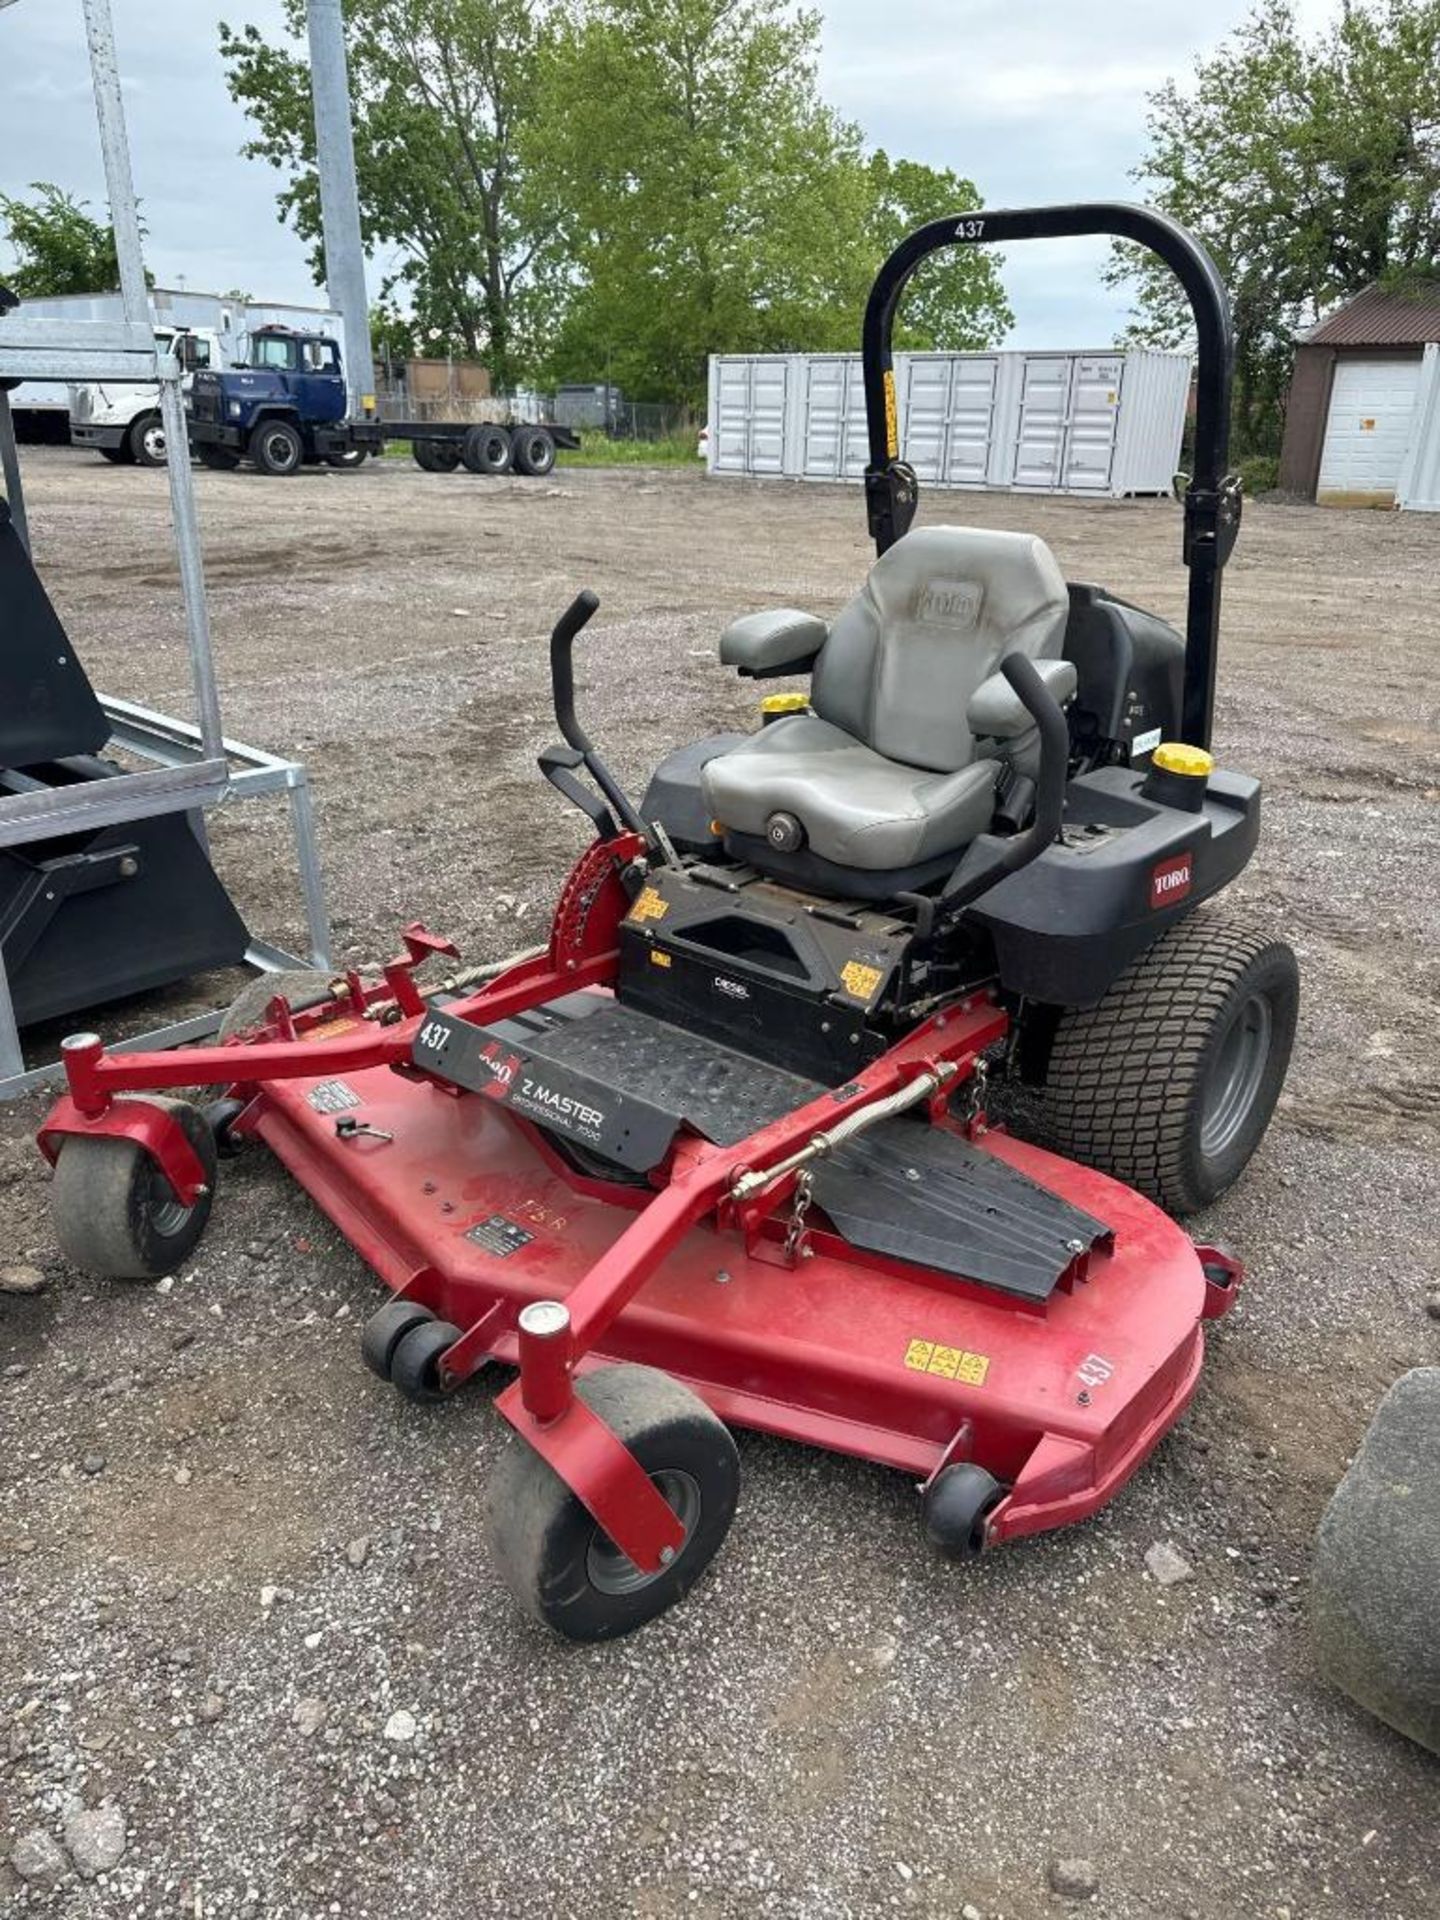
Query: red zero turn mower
{"x": 718, "y": 1155}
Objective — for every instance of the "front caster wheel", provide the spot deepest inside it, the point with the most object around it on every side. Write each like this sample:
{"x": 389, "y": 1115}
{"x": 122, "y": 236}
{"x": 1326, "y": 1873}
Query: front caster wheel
{"x": 385, "y": 1330}
{"x": 415, "y": 1359}
{"x": 565, "y": 1570}
{"x": 115, "y": 1213}
{"x": 958, "y": 1503}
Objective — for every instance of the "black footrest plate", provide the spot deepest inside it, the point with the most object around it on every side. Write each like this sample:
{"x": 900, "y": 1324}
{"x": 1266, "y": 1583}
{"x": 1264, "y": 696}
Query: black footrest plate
{"x": 922, "y": 1194}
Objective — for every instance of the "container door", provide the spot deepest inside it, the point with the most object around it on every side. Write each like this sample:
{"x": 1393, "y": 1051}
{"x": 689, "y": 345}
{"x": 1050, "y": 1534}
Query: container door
{"x": 972, "y": 419}
{"x": 731, "y": 425}
{"x": 927, "y": 414}
{"x": 1419, "y": 488}
{"x": 769, "y": 382}
{"x": 1094, "y": 411}
{"x": 1044, "y": 408}
{"x": 826, "y": 389}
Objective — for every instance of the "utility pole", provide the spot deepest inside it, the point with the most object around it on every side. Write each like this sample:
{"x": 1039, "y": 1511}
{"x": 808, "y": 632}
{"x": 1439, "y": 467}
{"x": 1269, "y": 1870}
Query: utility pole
{"x": 339, "y": 200}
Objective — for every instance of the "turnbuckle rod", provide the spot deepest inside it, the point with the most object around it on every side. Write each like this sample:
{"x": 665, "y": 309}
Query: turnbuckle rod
{"x": 923, "y": 1087}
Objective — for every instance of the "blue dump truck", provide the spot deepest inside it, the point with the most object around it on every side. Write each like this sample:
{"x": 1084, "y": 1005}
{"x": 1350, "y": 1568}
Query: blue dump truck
{"x": 285, "y": 409}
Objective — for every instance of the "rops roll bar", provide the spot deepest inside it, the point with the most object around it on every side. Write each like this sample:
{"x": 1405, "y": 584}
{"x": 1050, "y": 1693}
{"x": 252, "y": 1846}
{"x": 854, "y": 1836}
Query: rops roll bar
{"x": 1212, "y": 497}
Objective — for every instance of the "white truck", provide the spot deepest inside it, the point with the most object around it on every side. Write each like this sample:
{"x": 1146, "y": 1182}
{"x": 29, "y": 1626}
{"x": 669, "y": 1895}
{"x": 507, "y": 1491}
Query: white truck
{"x": 122, "y": 422}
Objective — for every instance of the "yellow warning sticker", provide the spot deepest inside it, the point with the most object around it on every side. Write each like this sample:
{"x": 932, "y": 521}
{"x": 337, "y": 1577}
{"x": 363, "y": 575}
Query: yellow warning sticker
{"x": 659, "y": 958}
{"x": 649, "y": 906}
{"x": 892, "y": 416}
{"x": 860, "y": 980}
{"x": 947, "y": 1363}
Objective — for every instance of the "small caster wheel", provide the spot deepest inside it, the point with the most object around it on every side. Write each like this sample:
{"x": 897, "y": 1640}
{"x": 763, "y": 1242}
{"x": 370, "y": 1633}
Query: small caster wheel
{"x": 115, "y": 1213}
{"x": 415, "y": 1361}
{"x": 220, "y": 1117}
{"x": 958, "y": 1503}
{"x": 386, "y": 1329}
{"x": 564, "y": 1570}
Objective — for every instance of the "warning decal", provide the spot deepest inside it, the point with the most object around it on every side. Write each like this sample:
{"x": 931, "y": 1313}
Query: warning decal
{"x": 947, "y": 1363}
{"x": 860, "y": 980}
{"x": 649, "y": 906}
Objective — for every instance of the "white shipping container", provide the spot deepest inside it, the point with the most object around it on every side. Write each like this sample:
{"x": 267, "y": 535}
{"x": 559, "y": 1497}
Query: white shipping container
{"x": 1097, "y": 423}
{"x": 1419, "y": 488}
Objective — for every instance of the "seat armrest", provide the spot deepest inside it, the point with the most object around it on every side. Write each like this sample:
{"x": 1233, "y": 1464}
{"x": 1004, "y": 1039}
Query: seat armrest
{"x": 780, "y": 640}
{"x": 995, "y": 712}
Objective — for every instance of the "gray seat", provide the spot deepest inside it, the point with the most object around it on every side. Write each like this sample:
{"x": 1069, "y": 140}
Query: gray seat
{"x": 896, "y": 762}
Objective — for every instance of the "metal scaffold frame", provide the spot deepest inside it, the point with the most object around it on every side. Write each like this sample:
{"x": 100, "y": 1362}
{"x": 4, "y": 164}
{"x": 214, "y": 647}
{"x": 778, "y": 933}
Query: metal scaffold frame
{"x": 186, "y": 767}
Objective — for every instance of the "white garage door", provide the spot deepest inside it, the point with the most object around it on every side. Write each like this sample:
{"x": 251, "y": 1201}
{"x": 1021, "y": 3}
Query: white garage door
{"x": 1372, "y": 402}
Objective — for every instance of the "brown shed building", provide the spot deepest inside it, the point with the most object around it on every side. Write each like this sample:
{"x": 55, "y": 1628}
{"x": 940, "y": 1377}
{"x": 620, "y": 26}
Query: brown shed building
{"x": 1353, "y": 395}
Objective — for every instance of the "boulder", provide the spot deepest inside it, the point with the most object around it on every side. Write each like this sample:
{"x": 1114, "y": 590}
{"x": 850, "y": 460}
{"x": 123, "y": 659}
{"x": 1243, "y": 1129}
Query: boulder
{"x": 1376, "y": 1593}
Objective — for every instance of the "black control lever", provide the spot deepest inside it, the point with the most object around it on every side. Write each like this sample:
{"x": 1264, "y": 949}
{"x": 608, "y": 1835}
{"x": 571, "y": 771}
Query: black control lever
{"x": 562, "y": 681}
{"x": 986, "y": 862}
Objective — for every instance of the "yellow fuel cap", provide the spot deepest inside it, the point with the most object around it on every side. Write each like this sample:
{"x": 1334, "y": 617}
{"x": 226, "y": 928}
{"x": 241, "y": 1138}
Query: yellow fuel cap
{"x": 1174, "y": 756}
{"x": 784, "y": 703}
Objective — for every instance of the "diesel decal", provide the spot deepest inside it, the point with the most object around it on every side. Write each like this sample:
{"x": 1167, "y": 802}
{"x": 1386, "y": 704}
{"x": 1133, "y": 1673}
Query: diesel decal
{"x": 732, "y": 989}
{"x": 1171, "y": 880}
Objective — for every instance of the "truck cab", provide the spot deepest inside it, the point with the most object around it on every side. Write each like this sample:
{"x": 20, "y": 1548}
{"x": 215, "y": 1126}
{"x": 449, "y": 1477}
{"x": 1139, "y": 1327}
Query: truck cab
{"x": 121, "y": 420}
{"x": 285, "y": 406}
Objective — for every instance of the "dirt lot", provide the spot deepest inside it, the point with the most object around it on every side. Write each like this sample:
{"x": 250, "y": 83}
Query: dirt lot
{"x": 229, "y": 1556}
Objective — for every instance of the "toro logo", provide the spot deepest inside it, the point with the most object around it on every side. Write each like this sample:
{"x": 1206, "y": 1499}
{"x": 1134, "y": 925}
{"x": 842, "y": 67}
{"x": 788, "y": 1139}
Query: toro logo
{"x": 1170, "y": 880}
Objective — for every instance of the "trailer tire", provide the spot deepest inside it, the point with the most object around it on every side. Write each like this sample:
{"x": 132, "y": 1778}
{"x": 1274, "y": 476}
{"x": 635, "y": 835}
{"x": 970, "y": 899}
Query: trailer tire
{"x": 120, "y": 456}
{"x": 116, "y": 1215}
{"x": 218, "y": 459}
{"x": 276, "y": 447}
{"x": 436, "y": 456}
{"x": 533, "y": 451}
{"x": 147, "y": 441}
{"x": 351, "y": 457}
{"x": 561, "y": 1567}
{"x": 486, "y": 449}
{"x": 1169, "y": 1081}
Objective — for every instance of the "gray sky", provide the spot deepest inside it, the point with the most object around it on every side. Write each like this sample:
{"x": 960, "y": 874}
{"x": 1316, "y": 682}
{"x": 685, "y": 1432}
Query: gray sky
{"x": 1035, "y": 100}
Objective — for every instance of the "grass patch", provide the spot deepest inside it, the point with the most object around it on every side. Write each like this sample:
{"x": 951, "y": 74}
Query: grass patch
{"x": 675, "y": 450}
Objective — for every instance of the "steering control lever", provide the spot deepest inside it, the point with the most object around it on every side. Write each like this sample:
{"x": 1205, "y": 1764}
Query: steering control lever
{"x": 558, "y": 767}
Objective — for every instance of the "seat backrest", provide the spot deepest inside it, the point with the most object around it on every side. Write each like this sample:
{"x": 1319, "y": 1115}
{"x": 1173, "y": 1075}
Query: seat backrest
{"x": 936, "y": 616}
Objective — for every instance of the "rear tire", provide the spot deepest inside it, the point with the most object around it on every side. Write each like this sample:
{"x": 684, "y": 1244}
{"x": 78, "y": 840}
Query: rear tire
{"x": 351, "y": 457}
{"x": 436, "y": 456}
{"x": 276, "y": 447}
{"x": 486, "y": 449}
{"x": 1170, "y": 1080}
{"x": 117, "y": 456}
{"x": 562, "y": 1568}
{"x": 147, "y": 441}
{"x": 115, "y": 1213}
{"x": 533, "y": 451}
{"x": 218, "y": 459}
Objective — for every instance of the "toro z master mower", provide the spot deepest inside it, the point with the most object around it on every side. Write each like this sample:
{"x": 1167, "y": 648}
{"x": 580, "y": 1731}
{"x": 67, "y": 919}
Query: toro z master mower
{"x": 718, "y": 1155}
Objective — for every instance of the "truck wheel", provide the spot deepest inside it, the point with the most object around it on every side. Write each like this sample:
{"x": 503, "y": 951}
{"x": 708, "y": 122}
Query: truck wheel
{"x": 147, "y": 441}
{"x": 486, "y": 450}
{"x": 351, "y": 457}
{"x": 1169, "y": 1081}
{"x": 565, "y": 1570}
{"x": 218, "y": 459}
{"x": 276, "y": 447}
{"x": 534, "y": 450}
{"x": 115, "y": 1213}
{"x": 117, "y": 456}
{"x": 436, "y": 456}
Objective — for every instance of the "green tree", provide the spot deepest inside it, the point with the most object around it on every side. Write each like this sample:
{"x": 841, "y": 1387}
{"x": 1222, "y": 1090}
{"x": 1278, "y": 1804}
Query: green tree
{"x": 1310, "y": 168}
{"x": 716, "y": 203}
{"x": 441, "y": 91}
{"x": 58, "y": 248}
{"x": 955, "y": 302}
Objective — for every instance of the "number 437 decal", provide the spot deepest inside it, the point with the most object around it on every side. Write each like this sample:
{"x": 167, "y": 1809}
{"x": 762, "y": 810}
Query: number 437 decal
{"x": 969, "y": 229}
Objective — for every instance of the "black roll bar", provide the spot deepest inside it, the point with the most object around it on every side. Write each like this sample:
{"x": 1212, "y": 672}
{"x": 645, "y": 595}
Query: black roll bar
{"x": 1212, "y": 497}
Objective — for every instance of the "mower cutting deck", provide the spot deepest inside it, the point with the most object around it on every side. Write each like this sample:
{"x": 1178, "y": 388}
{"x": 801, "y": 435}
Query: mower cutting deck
{"x": 719, "y": 1155}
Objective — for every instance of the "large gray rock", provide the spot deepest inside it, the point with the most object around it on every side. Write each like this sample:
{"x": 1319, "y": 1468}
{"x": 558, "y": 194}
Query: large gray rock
{"x": 95, "y": 1837}
{"x": 1376, "y": 1611}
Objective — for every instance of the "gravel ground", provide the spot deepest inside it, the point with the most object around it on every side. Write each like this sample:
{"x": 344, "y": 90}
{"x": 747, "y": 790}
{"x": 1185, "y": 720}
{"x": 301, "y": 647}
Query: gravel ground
{"x": 247, "y": 1602}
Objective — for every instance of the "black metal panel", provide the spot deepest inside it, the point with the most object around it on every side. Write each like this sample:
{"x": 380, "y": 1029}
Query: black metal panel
{"x": 616, "y": 1081}
{"x": 47, "y": 705}
{"x": 922, "y": 1194}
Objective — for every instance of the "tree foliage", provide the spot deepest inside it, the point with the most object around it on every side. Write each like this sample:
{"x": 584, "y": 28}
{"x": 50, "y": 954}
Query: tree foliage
{"x": 1310, "y": 168}
{"x": 441, "y": 91}
{"x": 58, "y": 248}
{"x": 611, "y": 189}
